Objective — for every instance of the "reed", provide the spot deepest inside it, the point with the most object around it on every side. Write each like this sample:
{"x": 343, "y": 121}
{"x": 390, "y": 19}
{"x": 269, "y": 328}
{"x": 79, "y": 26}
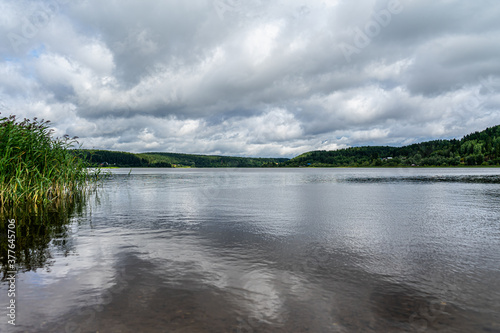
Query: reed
{"x": 37, "y": 169}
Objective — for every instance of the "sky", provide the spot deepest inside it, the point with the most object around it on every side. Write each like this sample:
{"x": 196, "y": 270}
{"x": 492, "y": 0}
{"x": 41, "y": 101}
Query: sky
{"x": 251, "y": 77}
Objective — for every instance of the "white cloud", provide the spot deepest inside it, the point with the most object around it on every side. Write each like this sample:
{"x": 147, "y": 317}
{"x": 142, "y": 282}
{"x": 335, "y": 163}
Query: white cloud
{"x": 263, "y": 79}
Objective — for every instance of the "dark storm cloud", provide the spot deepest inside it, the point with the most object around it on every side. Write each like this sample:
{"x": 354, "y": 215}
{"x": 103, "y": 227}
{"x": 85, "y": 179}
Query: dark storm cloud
{"x": 252, "y": 77}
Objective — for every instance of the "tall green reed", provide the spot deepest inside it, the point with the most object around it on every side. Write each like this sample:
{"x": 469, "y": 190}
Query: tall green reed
{"x": 37, "y": 169}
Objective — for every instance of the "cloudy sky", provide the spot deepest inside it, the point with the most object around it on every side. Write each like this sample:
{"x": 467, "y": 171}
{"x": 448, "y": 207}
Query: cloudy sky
{"x": 254, "y": 77}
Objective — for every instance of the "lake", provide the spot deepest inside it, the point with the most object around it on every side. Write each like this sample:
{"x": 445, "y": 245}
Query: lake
{"x": 273, "y": 250}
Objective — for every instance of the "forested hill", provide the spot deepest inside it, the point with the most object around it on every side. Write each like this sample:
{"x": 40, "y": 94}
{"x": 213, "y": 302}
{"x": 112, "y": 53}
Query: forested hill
{"x": 167, "y": 160}
{"x": 479, "y": 148}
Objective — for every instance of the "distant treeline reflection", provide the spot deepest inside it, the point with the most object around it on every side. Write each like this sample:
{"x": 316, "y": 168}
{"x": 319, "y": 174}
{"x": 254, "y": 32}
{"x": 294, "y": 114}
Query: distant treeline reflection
{"x": 483, "y": 179}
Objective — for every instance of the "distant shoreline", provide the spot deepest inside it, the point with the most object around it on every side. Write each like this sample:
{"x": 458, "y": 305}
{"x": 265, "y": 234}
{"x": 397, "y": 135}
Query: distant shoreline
{"x": 324, "y": 167}
{"x": 479, "y": 149}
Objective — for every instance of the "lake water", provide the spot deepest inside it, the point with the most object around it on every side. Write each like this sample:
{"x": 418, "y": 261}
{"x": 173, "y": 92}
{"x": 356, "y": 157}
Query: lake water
{"x": 274, "y": 250}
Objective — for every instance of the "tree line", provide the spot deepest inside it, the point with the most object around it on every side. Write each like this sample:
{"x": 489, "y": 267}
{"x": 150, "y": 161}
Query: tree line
{"x": 106, "y": 158}
{"x": 479, "y": 148}
{"x": 476, "y": 149}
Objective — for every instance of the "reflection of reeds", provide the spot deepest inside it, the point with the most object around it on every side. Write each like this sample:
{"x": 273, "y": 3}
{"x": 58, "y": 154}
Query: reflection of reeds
{"x": 38, "y": 229}
{"x": 37, "y": 169}
{"x": 43, "y": 184}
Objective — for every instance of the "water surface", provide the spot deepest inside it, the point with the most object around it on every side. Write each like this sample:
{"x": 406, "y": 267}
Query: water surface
{"x": 275, "y": 250}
